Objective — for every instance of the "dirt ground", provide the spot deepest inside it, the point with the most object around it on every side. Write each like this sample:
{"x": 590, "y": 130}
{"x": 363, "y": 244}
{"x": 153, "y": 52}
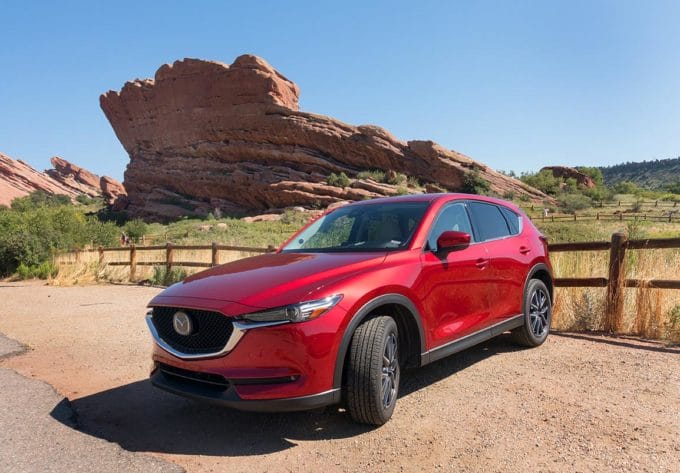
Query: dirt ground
{"x": 578, "y": 403}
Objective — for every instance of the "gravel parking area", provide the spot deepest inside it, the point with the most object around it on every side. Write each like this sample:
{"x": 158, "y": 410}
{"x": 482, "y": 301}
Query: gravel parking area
{"x": 578, "y": 403}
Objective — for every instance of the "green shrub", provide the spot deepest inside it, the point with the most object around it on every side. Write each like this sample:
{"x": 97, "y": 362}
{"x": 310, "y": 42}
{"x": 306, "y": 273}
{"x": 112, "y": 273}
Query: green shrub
{"x": 43, "y": 270}
{"x": 396, "y": 179}
{"x": 376, "y": 175}
{"x": 338, "y": 180}
{"x": 413, "y": 182}
{"x": 594, "y": 173}
{"x": 136, "y": 229}
{"x": 544, "y": 181}
{"x": 570, "y": 203}
{"x": 39, "y": 225}
{"x": 39, "y": 199}
{"x": 474, "y": 183}
{"x": 626, "y": 187}
{"x": 163, "y": 277}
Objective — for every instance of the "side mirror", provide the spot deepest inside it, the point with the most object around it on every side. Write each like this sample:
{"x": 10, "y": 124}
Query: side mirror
{"x": 453, "y": 240}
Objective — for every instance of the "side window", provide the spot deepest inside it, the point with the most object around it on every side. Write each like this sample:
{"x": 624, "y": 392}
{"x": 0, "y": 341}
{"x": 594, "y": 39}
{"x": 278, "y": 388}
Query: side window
{"x": 488, "y": 221}
{"x": 514, "y": 220}
{"x": 454, "y": 217}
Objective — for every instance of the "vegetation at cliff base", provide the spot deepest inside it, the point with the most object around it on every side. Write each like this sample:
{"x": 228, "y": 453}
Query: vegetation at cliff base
{"x": 39, "y": 225}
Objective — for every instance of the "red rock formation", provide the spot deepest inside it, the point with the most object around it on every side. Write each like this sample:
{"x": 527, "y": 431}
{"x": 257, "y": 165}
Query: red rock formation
{"x": 74, "y": 177}
{"x": 18, "y": 179}
{"x": 203, "y": 135}
{"x": 565, "y": 172}
{"x": 112, "y": 190}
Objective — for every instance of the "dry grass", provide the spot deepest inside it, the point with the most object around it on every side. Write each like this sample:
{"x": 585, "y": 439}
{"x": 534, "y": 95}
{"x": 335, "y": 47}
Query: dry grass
{"x": 85, "y": 268}
{"x": 647, "y": 312}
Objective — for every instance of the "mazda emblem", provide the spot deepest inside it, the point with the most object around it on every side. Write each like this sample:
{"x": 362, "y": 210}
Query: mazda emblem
{"x": 181, "y": 322}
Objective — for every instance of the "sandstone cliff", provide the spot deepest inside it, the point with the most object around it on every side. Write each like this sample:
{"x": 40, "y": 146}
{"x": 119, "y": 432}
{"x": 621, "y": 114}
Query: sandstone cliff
{"x": 203, "y": 135}
{"x": 18, "y": 179}
{"x": 566, "y": 172}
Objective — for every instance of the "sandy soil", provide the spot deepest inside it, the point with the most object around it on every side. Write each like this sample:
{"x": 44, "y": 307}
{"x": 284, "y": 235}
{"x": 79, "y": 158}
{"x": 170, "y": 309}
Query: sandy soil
{"x": 578, "y": 403}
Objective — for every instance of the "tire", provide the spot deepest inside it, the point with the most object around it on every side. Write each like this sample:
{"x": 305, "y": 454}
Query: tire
{"x": 373, "y": 371}
{"x": 537, "y": 315}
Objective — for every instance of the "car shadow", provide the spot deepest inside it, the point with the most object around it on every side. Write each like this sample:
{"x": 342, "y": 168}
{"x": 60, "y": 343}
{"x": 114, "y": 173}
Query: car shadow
{"x": 141, "y": 418}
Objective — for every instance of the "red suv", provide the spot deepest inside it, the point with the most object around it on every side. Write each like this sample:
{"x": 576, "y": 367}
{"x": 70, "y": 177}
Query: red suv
{"x": 349, "y": 301}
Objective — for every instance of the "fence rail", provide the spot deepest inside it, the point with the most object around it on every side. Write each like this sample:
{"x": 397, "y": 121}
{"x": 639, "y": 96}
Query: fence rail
{"x": 614, "y": 283}
{"x": 616, "y": 280}
{"x": 604, "y": 217}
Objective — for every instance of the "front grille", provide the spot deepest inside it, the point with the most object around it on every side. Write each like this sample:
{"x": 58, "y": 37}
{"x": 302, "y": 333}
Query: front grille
{"x": 208, "y": 380}
{"x": 210, "y": 334}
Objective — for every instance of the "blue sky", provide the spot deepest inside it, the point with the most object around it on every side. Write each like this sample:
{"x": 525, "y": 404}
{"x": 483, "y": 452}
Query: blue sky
{"x": 516, "y": 85}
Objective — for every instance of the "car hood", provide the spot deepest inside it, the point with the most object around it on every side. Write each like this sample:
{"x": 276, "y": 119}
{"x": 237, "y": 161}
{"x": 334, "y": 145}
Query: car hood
{"x": 266, "y": 281}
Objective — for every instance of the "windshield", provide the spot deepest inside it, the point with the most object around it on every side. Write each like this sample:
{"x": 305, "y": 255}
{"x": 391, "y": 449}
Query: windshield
{"x": 368, "y": 227}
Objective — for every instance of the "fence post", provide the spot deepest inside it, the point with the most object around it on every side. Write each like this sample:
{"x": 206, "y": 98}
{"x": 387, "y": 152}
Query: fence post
{"x": 214, "y": 259}
{"x": 597, "y": 216}
{"x": 101, "y": 254}
{"x": 552, "y": 218}
{"x": 574, "y": 216}
{"x": 168, "y": 258}
{"x": 133, "y": 261}
{"x": 613, "y": 316}
{"x": 621, "y": 216}
{"x": 656, "y": 203}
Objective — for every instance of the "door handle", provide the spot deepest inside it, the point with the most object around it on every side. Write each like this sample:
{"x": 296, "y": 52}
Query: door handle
{"x": 524, "y": 249}
{"x": 482, "y": 263}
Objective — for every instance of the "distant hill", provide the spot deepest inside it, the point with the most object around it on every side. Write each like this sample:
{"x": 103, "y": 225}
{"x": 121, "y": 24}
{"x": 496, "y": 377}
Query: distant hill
{"x": 648, "y": 174}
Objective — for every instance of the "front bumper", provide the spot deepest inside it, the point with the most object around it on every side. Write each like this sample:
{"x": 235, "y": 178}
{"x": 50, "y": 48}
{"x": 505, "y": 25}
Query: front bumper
{"x": 288, "y": 366}
{"x": 229, "y": 397}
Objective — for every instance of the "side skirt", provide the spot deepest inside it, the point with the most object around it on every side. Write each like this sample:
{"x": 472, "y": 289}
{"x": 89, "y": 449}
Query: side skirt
{"x": 471, "y": 340}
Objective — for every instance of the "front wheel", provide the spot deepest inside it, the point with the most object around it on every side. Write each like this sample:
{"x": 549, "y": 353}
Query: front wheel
{"x": 372, "y": 375}
{"x": 537, "y": 315}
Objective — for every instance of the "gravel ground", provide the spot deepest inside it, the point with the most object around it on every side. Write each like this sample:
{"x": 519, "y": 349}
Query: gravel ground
{"x": 578, "y": 403}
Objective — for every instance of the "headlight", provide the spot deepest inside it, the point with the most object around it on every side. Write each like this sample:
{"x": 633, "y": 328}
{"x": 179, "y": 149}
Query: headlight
{"x": 296, "y": 312}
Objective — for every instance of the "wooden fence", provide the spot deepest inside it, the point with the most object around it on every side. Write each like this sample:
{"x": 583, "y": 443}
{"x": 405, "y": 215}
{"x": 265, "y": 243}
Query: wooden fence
{"x": 169, "y": 262}
{"x": 600, "y": 216}
{"x": 616, "y": 280}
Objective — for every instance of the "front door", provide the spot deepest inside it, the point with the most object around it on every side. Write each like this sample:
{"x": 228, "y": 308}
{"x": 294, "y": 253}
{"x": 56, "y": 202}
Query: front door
{"x": 453, "y": 286}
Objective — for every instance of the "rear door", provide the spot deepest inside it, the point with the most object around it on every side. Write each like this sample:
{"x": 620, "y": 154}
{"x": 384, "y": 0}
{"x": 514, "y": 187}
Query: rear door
{"x": 499, "y": 232}
{"x": 453, "y": 286}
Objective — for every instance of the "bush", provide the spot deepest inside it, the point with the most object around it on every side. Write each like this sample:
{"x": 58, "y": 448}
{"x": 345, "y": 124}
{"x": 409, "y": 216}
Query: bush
{"x": 163, "y": 277}
{"x": 136, "y": 229}
{"x": 396, "y": 178}
{"x": 376, "y": 175}
{"x": 44, "y": 270}
{"x": 594, "y": 173}
{"x": 543, "y": 181}
{"x": 570, "y": 203}
{"x": 39, "y": 225}
{"x": 626, "y": 187}
{"x": 338, "y": 180}
{"x": 474, "y": 183}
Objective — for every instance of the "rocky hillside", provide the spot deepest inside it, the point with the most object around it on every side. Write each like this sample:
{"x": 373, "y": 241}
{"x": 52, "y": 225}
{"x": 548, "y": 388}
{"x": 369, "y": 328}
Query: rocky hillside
{"x": 655, "y": 174}
{"x": 204, "y": 135}
{"x": 18, "y": 179}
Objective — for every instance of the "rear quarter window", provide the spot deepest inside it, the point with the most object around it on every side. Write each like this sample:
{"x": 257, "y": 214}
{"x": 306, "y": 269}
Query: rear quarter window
{"x": 488, "y": 221}
{"x": 514, "y": 220}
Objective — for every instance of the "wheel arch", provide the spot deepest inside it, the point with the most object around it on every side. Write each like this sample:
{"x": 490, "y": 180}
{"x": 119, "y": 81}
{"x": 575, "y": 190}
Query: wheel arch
{"x": 409, "y": 324}
{"x": 542, "y": 272}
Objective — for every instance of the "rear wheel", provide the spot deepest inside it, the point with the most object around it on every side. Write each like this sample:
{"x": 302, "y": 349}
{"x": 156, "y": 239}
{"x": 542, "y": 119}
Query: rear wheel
{"x": 372, "y": 374}
{"x": 537, "y": 315}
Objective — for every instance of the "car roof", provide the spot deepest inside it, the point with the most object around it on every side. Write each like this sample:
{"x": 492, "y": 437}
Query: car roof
{"x": 436, "y": 197}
